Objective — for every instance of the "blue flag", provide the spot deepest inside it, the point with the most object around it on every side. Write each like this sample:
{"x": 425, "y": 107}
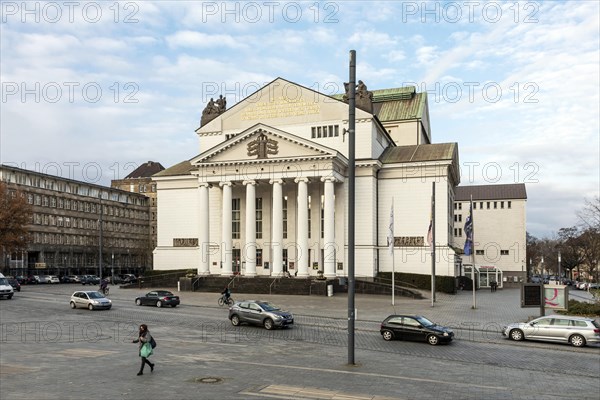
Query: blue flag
{"x": 469, "y": 233}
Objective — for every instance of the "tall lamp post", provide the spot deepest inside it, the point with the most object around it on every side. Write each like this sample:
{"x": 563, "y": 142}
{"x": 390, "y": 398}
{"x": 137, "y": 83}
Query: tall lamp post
{"x": 100, "y": 241}
{"x": 559, "y": 269}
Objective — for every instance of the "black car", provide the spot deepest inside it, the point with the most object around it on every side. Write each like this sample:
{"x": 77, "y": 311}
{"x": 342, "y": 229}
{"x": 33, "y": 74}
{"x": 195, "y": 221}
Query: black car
{"x": 90, "y": 280}
{"x": 15, "y": 284}
{"x": 158, "y": 298}
{"x": 414, "y": 327}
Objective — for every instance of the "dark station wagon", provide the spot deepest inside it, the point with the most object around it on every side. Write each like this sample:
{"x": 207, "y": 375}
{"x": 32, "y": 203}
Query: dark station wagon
{"x": 158, "y": 298}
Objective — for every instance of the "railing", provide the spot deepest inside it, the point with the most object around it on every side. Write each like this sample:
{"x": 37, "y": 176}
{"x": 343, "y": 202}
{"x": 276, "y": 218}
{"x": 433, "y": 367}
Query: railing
{"x": 232, "y": 281}
{"x": 273, "y": 283}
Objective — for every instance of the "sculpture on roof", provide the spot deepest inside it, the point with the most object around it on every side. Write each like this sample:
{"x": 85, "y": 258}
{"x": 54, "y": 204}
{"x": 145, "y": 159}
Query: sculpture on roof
{"x": 363, "y": 98}
{"x": 213, "y": 109}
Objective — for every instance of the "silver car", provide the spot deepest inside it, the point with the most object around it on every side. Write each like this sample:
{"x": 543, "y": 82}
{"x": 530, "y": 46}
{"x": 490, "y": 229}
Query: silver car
{"x": 90, "y": 300}
{"x": 259, "y": 313}
{"x": 577, "y": 331}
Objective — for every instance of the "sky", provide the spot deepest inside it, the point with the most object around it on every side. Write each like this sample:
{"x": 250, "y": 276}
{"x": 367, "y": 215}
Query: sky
{"x": 91, "y": 90}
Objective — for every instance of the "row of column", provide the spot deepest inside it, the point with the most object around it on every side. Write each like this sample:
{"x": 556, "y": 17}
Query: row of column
{"x": 277, "y": 228}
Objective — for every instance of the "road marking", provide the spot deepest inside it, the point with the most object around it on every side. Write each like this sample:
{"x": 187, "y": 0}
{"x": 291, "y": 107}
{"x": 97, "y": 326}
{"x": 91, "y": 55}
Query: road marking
{"x": 337, "y": 371}
{"x": 82, "y": 353}
{"x": 12, "y": 369}
{"x": 296, "y": 392}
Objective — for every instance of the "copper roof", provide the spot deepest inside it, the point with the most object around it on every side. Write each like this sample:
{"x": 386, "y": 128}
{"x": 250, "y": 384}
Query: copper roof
{"x": 490, "y": 192}
{"x": 419, "y": 153}
{"x": 146, "y": 170}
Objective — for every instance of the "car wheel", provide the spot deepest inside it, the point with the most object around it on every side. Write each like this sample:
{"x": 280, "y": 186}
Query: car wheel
{"x": 10, "y": 296}
{"x": 516, "y": 334}
{"x": 268, "y": 324}
{"x": 387, "y": 335}
{"x": 159, "y": 304}
{"x": 138, "y": 302}
{"x": 90, "y": 307}
{"x": 173, "y": 305}
{"x": 235, "y": 320}
{"x": 433, "y": 340}
{"x": 577, "y": 340}
{"x": 73, "y": 306}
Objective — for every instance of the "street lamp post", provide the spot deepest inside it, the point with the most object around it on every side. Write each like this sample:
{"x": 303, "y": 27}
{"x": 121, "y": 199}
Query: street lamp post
{"x": 100, "y": 241}
{"x": 112, "y": 267}
{"x": 559, "y": 271}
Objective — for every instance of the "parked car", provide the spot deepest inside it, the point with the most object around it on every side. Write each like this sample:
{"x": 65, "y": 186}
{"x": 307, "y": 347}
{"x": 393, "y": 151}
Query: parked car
{"x": 90, "y": 299}
{"x": 414, "y": 327}
{"x": 577, "y": 331}
{"x": 90, "y": 280}
{"x": 15, "y": 284}
{"x": 6, "y": 289}
{"x": 158, "y": 298}
{"x": 128, "y": 278}
{"x": 53, "y": 279}
{"x": 43, "y": 278}
{"x": 259, "y": 313}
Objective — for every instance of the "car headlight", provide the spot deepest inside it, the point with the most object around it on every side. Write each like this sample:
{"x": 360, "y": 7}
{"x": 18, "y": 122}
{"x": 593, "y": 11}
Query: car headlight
{"x": 445, "y": 333}
{"x": 277, "y": 317}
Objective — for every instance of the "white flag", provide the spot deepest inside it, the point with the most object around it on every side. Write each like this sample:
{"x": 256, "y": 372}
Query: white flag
{"x": 391, "y": 232}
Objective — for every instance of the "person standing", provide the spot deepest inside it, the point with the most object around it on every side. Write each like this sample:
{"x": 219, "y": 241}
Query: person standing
{"x": 144, "y": 337}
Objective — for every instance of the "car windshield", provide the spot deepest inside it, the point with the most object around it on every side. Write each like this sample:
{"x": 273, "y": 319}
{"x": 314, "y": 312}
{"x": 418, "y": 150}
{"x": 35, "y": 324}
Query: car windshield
{"x": 95, "y": 295}
{"x": 424, "y": 321}
{"x": 3, "y": 281}
{"x": 269, "y": 307}
{"x": 164, "y": 293}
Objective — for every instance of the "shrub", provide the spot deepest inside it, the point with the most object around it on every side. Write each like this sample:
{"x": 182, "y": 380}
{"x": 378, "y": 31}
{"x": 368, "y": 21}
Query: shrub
{"x": 583, "y": 309}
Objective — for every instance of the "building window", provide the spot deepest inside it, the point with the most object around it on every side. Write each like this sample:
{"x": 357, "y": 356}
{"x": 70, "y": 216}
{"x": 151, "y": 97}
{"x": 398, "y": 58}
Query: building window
{"x": 259, "y": 258}
{"x": 53, "y": 202}
{"x": 495, "y": 205}
{"x": 501, "y": 204}
{"x": 317, "y": 132}
{"x": 503, "y": 252}
{"x": 481, "y": 205}
{"x": 509, "y": 204}
{"x": 235, "y": 218}
{"x": 29, "y": 198}
{"x": 460, "y": 232}
{"x": 460, "y": 206}
{"x": 475, "y": 206}
{"x": 322, "y": 211}
{"x": 59, "y": 221}
{"x": 285, "y": 212}
{"x": 488, "y": 205}
{"x": 259, "y": 218}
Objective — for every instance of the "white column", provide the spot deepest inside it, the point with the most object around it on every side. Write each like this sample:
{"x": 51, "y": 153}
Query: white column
{"x": 277, "y": 239}
{"x": 203, "y": 231}
{"x": 250, "y": 246}
{"x": 302, "y": 236}
{"x": 329, "y": 247}
{"x": 226, "y": 241}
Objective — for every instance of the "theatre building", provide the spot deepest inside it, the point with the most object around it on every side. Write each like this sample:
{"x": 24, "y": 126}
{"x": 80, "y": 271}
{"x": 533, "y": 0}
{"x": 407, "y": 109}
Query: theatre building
{"x": 267, "y": 191}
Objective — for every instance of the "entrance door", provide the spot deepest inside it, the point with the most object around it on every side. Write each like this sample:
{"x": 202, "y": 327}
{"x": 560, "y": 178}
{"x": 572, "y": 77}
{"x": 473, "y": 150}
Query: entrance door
{"x": 285, "y": 260}
{"x": 236, "y": 255}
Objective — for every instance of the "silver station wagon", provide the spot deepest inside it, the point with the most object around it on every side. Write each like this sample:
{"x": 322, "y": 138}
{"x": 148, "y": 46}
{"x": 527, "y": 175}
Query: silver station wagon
{"x": 577, "y": 331}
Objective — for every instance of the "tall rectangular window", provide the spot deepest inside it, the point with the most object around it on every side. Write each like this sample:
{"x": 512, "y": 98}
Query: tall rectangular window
{"x": 259, "y": 218}
{"x": 259, "y": 258}
{"x": 285, "y": 213}
{"x": 322, "y": 216}
{"x": 235, "y": 218}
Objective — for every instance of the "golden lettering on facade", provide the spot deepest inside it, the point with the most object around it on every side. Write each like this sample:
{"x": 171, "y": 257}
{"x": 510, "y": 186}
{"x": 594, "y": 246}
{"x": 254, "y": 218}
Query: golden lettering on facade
{"x": 185, "y": 242}
{"x": 409, "y": 241}
{"x": 280, "y": 108}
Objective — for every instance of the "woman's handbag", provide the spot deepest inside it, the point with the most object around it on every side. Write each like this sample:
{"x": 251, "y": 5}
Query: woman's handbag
{"x": 146, "y": 350}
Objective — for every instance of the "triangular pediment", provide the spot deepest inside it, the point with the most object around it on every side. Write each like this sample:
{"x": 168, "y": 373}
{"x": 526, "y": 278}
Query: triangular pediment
{"x": 264, "y": 143}
{"x": 281, "y": 103}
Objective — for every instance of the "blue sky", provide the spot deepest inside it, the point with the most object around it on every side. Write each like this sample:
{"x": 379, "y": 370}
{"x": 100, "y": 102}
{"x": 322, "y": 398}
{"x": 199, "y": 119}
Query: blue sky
{"x": 90, "y": 90}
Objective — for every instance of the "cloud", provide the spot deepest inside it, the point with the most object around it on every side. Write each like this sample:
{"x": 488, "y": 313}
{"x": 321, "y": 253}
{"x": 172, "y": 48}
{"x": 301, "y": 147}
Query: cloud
{"x": 202, "y": 40}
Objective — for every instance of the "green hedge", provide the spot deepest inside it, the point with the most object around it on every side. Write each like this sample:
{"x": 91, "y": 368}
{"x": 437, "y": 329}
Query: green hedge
{"x": 444, "y": 284}
{"x": 583, "y": 309}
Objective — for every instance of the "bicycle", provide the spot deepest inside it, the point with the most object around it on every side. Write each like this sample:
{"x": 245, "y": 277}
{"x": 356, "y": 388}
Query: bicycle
{"x": 222, "y": 301}
{"x": 104, "y": 291}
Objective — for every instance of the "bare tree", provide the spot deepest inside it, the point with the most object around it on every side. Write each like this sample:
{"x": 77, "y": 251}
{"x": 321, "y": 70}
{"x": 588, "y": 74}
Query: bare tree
{"x": 15, "y": 215}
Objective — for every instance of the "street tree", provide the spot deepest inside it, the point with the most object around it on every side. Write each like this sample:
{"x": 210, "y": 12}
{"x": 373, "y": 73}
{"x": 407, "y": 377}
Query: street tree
{"x": 15, "y": 216}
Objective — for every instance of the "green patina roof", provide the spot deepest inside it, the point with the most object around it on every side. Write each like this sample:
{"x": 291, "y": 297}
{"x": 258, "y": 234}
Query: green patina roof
{"x": 183, "y": 168}
{"x": 397, "y": 104}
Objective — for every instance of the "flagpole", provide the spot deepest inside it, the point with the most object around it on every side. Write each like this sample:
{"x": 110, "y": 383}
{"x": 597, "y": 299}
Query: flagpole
{"x": 391, "y": 246}
{"x": 432, "y": 243}
{"x": 473, "y": 251}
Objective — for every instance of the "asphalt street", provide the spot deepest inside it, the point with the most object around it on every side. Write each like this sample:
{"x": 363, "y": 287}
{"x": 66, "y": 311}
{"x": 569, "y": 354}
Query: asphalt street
{"x": 50, "y": 351}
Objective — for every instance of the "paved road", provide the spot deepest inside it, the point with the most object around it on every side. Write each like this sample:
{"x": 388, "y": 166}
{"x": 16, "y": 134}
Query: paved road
{"x": 50, "y": 351}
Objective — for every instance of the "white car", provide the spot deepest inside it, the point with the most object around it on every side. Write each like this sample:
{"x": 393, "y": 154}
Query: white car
{"x": 577, "y": 331}
{"x": 90, "y": 299}
{"x": 53, "y": 279}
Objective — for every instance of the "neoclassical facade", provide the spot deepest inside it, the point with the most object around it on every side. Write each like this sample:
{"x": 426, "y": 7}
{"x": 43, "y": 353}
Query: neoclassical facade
{"x": 267, "y": 193}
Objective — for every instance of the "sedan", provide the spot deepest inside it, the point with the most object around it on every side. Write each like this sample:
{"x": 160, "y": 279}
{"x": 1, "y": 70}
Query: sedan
{"x": 15, "y": 284}
{"x": 158, "y": 298}
{"x": 259, "y": 313}
{"x": 577, "y": 331}
{"x": 90, "y": 300}
{"x": 414, "y": 327}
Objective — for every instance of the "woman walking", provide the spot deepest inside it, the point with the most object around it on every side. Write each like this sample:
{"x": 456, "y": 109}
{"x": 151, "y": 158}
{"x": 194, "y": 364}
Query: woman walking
{"x": 145, "y": 348}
